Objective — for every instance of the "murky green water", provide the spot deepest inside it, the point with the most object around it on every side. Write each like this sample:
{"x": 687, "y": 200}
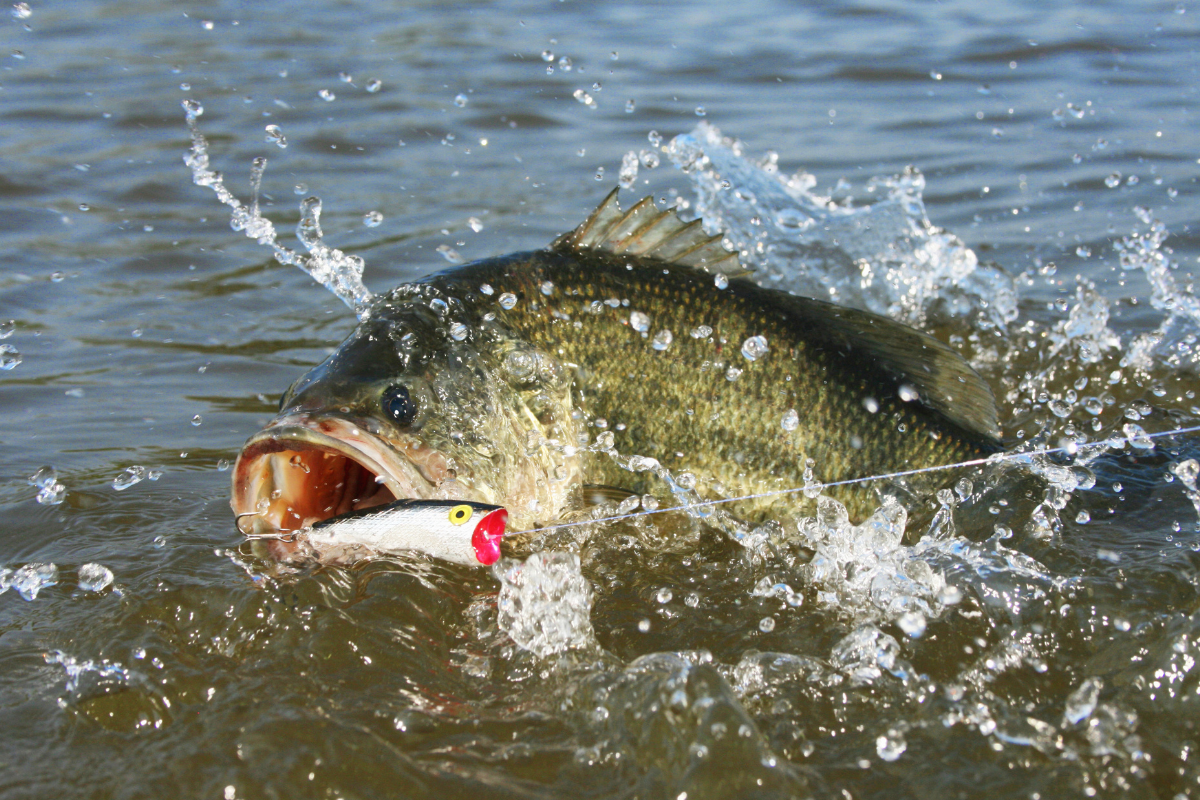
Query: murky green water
{"x": 1043, "y": 646}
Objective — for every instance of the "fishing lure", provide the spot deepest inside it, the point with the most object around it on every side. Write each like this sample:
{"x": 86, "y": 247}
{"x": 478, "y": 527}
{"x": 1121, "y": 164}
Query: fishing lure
{"x": 459, "y": 531}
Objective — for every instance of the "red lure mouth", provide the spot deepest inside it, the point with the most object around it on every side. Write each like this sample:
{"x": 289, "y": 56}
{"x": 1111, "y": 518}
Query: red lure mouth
{"x": 486, "y": 538}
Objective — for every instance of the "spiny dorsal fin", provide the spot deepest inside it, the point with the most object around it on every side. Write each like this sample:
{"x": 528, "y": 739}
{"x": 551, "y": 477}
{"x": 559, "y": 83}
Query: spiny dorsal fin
{"x": 643, "y": 230}
{"x": 940, "y": 378}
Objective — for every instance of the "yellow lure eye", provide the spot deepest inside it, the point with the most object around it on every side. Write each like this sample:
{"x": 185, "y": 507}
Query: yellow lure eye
{"x": 460, "y": 514}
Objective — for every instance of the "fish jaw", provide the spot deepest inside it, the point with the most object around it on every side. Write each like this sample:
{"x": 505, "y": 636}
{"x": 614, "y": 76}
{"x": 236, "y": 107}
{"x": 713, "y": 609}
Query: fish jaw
{"x": 302, "y": 469}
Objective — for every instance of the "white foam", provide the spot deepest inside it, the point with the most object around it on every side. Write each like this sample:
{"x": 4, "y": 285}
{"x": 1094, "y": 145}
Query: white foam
{"x": 886, "y": 257}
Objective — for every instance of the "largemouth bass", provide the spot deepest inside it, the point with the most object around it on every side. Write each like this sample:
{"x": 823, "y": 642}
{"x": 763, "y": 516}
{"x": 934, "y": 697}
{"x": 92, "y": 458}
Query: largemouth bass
{"x": 632, "y": 343}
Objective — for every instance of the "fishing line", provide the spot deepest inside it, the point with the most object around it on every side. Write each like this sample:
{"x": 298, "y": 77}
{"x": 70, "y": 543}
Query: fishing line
{"x": 996, "y": 458}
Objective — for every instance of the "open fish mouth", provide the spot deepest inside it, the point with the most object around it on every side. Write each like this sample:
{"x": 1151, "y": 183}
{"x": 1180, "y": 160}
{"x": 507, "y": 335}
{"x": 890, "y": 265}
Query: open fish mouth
{"x": 303, "y": 469}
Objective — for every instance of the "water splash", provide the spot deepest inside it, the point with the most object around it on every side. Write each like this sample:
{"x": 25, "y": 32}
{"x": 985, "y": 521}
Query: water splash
{"x": 886, "y": 257}
{"x": 80, "y": 670}
{"x": 30, "y": 579}
{"x": 1176, "y": 342}
{"x": 545, "y": 602}
{"x": 335, "y": 270}
{"x": 94, "y": 577}
{"x": 51, "y": 491}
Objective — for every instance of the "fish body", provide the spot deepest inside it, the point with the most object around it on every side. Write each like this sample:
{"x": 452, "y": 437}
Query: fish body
{"x": 622, "y": 348}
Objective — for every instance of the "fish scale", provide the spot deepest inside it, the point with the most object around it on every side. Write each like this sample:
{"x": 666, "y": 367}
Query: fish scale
{"x": 734, "y": 434}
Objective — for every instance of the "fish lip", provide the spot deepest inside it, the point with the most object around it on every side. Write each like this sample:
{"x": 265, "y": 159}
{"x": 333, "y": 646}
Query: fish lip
{"x": 300, "y": 433}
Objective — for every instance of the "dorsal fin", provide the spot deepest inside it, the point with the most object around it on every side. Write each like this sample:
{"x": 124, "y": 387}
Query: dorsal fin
{"x": 643, "y": 230}
{"x": 940, "y": 378}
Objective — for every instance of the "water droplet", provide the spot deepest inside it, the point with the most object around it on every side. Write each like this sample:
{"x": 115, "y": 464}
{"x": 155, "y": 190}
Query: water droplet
{"x": 327, "y": 95}
{"x": 458, "y": 331}
{"x": 732, "y": 374}
{"x": 1082, "y": 702}
{"x": 662, "y": 340}
{"x": 128, "y": 477}
{"x": 7, "y": 328}
{"x": 207, "y": 24}
{"x": 474, "y": 224}
{"x": 599, "y": 173}
{"x": 196, "y": 420}
{"x": 32, "y": 578}
{"x": 46, "y": 476}
{"x": 629, "y": 106}
{"x": 192, "y": 108}
{"x": 1083, "y": 517}
{"x": 908, "y": 393}
{"x": 547, "y": 288}
{"x": 639, "y": 321}
{"x": 372, "y": 219}
{"x": 23, "y": 11}
{"x": 766, "y": 624}
{"x": 754, "y": 348}
{"x": 655, "y": 138}
{"x": 460, "y": 100}
{"x": 649, "y": 502}
{"x": 701, "y": 332}
{"x": 912, "y": 623}
{"x": 891, "y": 745}
{"x": 644, "y": 625}
{"x": 565, "y": 64}
{"x": 700, "y": 112}
{"x": 1137, "y": 437}
{"x": 663, "y": 596}
{"x": 275, "y": 136}
{"x": 486, "y": 288}
{"x": 1083, "y": 251}
{"x": 791, "y": 420}
{"x": 720, "y": 281}
{"x": 584, "y": 98}
{"x": 450, "y": 254}
{"x": 10, "y": 357}
{"x": 1060, "y": 408}
{"x": 627, "y": 175}
{"x": 508, "y": 300}
{"x": 950, "y": 596}
{"x": 374, "y": 85}
{"x": 1113, "y": 180}
{"x": 871, "y": 404}
{"x": 222, "y": 464}
{"x": 94, "y": 577}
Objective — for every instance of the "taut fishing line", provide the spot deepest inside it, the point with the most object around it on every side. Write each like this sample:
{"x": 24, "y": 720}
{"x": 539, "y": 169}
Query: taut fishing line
{"x": 996, "y": 458}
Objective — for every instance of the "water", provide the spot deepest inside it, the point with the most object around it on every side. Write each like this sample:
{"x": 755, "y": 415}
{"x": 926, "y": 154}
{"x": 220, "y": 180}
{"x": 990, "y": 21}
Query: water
{"x": 1038, "y": 640}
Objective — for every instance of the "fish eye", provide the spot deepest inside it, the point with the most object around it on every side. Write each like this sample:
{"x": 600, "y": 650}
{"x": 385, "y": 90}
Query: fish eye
{"x": 460, "y": 514}
{"x": 398, "y": 406}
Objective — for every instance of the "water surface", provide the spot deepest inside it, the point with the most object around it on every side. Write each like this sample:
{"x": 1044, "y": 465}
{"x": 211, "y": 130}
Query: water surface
{"x": 1045, "y": 646}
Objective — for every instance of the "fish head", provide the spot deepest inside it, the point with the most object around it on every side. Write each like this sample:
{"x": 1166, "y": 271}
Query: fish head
{"x": 415, "y": 404}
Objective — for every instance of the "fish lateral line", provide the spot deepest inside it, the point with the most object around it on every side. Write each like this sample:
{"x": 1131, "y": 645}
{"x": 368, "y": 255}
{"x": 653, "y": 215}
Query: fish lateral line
{"x": 995, "y": 458}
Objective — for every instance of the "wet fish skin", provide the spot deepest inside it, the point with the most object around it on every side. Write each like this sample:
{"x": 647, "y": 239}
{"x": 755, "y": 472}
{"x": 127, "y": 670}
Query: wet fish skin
{"x": 679, "y": 405}
{"x": 508, "y": 381}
